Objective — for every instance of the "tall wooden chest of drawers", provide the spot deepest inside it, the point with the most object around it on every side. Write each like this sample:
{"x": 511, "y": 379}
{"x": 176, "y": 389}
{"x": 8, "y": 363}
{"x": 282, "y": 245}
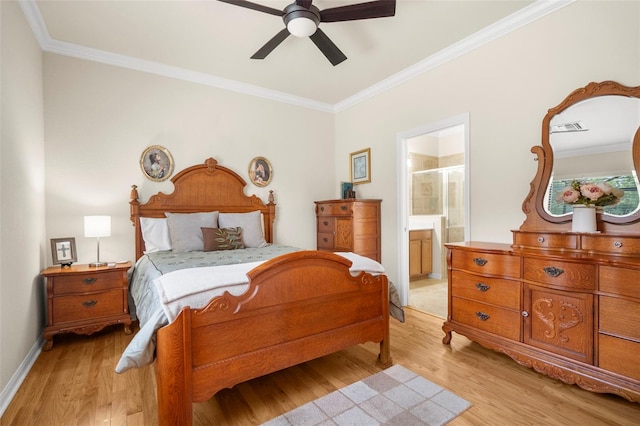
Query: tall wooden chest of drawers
{"x": 83, "y": 299}
{"x": 349, "y": 225}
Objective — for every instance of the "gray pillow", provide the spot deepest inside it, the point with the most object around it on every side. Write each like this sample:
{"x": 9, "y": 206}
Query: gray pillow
{"x": 185, "y": 229}
{"x": 251, "y": 224}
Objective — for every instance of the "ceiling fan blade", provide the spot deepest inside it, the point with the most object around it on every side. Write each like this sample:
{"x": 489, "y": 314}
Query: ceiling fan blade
{"x": 368, "y": 10}
{"x": 304, "y": 3}
{"x": 271, "y": 44}
{"x": 254, "y": 6}
{"x": 326, "y": 46}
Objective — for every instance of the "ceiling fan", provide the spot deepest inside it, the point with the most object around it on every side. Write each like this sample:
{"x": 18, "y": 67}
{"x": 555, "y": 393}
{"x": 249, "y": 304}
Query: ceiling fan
{"x": 302, "y": 19}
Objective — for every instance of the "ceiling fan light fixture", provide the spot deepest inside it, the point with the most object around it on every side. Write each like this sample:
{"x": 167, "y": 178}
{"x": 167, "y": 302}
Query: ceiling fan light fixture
{"x": 302, "y": 27}
{"x": 300, "y": 21}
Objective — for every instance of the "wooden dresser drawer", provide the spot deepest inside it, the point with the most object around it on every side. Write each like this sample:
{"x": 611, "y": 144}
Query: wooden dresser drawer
{"x": 494, "y": 291}
{"x": 625, "y": 282}
{"x": 620, "y": 317}
{"x": 543, "y": 240}
{"x": 89, "y": 306}
{"x": 616, "y": 245}
{"x": 326, "y": 241}
{"x": 619, "y": 355}
{"x": 486, "y": 263}
{"x": 334, "y": 209}
{"x": 485, "y": 317}
{"x": 570, "y": 275}
{"x": 81, "y": 283}
{"x": 326, "y": 225}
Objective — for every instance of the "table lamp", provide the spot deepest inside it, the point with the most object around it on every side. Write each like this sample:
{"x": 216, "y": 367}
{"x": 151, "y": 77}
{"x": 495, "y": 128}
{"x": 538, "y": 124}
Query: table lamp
{"x": 97, "y": 226}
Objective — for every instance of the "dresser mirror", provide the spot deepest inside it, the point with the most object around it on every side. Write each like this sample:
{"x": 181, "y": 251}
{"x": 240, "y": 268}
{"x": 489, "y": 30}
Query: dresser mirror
{"x": 592, "y": 136}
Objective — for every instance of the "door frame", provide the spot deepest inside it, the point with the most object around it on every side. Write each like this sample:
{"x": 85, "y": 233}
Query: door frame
{"x": 403, "y": 192}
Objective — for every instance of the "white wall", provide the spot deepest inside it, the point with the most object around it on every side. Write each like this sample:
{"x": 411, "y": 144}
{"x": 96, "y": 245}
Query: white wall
{"x": 99, "y": 119}
{"x": 22, "y": 241}
{"x": 506, "y": 86}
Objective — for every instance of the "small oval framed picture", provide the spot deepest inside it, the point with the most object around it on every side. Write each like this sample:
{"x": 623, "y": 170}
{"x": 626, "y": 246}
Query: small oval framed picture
{"x": 260, "y": 171}
{"x": 156, "y": 163}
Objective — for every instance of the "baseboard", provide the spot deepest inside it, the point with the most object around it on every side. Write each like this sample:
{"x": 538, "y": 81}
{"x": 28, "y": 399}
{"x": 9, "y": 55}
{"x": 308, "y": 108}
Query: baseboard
{"x": 14, "y": 384}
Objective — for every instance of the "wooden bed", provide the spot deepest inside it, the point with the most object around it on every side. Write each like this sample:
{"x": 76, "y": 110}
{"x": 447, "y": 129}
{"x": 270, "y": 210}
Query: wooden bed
{"x": 298, "y": 307}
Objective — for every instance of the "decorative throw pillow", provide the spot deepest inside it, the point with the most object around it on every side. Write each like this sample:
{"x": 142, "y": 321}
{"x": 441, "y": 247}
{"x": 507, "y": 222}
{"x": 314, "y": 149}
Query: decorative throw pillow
{"x": 155, "y": 233}
{"x": 185, "y": 232}
{"x": 222, "y": 239}
{"x": 251, "y": 224}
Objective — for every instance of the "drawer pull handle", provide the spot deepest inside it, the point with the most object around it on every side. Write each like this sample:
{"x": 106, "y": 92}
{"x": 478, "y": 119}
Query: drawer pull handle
{"x": 525, "y": 314}
{"x": 480, "y": 261}
{"x": 617, "y": 244}
{"x": 343, "y": 208}
{"x": 482, "y": 316}
{"x": 321, "y": 208}
{"x": 325, "y": 239}
{"x": 89, "y": 281}
{"x": 325, "y": 223}
{"x": 554, "y": 272}
{"x": 541, "y": 239}
{"x": 482, "y": 287}
{"x": 89, "y": 303}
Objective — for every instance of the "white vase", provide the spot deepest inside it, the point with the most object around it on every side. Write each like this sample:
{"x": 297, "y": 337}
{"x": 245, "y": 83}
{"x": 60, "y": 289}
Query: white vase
{"x": 584, "y": 219}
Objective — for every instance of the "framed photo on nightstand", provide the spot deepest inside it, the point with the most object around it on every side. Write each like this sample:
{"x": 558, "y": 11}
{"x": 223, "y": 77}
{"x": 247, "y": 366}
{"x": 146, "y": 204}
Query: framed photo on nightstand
{"x": 63, "y": 251}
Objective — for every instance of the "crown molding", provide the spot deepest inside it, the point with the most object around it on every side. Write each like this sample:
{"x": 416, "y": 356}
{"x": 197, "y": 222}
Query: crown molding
{"x": 535, "y": 11}
{"x": 500, "y": 28}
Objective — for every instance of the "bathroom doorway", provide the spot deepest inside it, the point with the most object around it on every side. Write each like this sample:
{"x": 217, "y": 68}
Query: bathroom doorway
{"x": 436, "y": 200}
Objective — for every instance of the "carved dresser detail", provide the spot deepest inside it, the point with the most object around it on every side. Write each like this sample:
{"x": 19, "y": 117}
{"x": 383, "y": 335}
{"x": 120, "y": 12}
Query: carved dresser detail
{"x": 564, "y": 303}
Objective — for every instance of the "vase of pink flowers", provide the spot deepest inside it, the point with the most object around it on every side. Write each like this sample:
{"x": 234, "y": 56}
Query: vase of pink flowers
{"x": 586, "y": 198}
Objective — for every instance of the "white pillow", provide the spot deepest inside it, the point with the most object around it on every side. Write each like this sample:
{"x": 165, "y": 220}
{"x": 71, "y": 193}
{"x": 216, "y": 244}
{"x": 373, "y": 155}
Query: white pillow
{"x": 251, "y": 224}
{"x": 185, "y": 229}
{"x": 155, "y": 233}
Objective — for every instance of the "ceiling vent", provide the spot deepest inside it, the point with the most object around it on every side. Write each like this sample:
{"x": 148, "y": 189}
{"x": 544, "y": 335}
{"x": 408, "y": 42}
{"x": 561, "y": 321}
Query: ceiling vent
{"x": 576, "y": 126}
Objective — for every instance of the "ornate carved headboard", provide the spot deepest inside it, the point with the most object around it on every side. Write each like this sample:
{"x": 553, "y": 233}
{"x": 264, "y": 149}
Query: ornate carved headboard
{"x": 202, "y": 188}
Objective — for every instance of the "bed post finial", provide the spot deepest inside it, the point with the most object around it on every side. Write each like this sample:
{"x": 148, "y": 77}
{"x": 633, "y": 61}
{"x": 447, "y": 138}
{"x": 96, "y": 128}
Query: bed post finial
{"x": 134, "y": 193}
{"x": 271, "y": 197}
{"x": 211, "y": 164}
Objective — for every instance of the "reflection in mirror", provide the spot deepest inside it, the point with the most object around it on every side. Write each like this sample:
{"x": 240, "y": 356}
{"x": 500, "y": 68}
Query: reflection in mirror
{"x": 592, "y": 141}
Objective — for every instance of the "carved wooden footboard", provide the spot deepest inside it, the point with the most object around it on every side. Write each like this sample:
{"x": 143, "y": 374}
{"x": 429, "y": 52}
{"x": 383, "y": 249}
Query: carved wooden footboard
{"x": 298, "y": 307}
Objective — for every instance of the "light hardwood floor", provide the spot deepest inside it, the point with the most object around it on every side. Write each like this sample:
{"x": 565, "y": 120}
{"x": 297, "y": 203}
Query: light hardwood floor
{"x": 74, "y": 384}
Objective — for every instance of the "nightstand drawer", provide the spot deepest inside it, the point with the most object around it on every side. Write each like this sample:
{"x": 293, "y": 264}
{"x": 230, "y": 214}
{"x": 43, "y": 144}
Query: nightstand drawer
{"x": 82, "y": 307}
{"x": 82, "y": 283}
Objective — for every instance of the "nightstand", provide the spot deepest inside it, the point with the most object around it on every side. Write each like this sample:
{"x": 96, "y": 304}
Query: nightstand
{"x": 83, "y": 299}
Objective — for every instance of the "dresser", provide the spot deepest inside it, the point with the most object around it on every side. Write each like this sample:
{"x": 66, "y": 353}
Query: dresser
{"x": 349, "y": 225}
{"x": 82, "y": 299}
{"x": 565, "y": 304}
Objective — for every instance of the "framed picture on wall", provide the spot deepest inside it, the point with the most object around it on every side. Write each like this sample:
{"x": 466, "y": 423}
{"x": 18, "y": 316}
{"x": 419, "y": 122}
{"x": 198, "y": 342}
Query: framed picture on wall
{"x": 156, "y": 163}
{"x": 63, "y": 251}
{"x": 260, "y": 171}
{"x": 361, "y": 166}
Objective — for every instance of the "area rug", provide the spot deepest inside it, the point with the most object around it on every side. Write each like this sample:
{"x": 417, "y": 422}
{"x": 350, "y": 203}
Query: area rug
{"x": 395, "y": 396}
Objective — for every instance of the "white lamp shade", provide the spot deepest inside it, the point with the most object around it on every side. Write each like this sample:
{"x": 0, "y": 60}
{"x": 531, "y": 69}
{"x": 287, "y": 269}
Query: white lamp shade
{"x": 97, "y": 226}
{"x": 302, "y": 27}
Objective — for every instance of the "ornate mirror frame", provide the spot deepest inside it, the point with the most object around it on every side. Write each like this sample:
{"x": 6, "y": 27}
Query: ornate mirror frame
{"x": 533, "y": 206}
